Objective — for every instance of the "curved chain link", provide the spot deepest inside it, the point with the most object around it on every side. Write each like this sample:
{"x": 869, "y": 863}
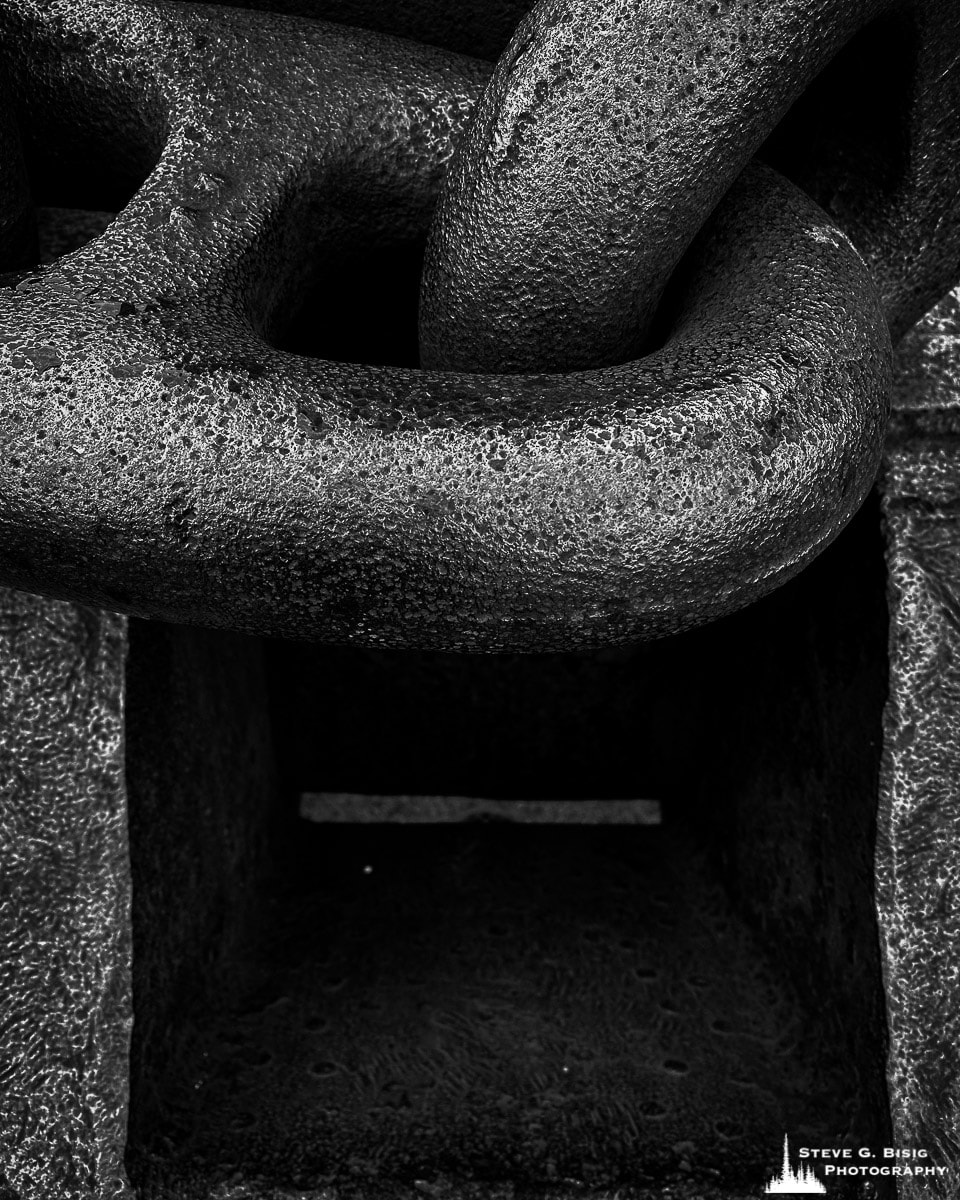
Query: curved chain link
{"x": 611, "y": 129}
{"x": 164, "y": 458}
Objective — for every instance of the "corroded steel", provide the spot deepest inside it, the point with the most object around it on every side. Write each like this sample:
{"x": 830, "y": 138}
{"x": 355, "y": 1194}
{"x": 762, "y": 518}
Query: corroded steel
{"x": 65, "y": 1005}
{"x": 918, "y": 862}
{"x": 162, "y": 458}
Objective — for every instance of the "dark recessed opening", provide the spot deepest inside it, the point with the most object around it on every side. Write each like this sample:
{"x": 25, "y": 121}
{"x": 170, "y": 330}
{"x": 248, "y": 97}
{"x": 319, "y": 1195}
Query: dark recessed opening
{"x": 367, "y": 1007}
{"x": 93, "y": 155}
{"x": 72, "y": 166}
{"x": 66, "y": 181}
{"x": 359, "y": 307}
{"x": 845, "y": 140}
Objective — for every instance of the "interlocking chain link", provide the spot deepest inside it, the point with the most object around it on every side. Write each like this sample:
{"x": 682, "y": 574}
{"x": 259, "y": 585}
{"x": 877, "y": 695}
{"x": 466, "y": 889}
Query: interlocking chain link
{"x": 611, "y": 129}
{"x": 161, "y": 457}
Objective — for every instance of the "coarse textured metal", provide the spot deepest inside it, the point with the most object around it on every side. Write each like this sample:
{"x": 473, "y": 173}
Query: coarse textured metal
{"x": 611, "y": 129}
{"x": 918, "y": 863}
{"x": 64, "y": 901}
{"x": 161, "y": 458}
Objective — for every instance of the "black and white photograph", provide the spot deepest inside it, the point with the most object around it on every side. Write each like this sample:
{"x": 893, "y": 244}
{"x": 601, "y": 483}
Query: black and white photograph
{"x": 479, "y": 599}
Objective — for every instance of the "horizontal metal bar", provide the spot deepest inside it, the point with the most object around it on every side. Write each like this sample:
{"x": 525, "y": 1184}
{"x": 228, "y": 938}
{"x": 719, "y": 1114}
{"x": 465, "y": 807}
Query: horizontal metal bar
{"x": 350, "y": 807}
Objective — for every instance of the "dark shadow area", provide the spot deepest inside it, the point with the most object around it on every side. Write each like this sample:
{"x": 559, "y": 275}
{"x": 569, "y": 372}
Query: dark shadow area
{"x": 539, "y": 1006}
{"x": 788, "y": 798}
{"x": 76, "y": 138}
{"x": 362, "y": 307}
{"x": 847, "y": 140}
{"x": 202, "y": 801}
{"x": 847, "y": 129}
{"x": 504, "y": 1004}
{"x": 82, "y": 177}
{"x": 94, "y": 154}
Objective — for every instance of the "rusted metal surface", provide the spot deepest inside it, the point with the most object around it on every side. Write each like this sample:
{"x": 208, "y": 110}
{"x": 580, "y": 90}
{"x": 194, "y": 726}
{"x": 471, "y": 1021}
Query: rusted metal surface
{"x": 64, "y": 901}
{"x": 918, "y": 860}
{"x": 161, "y": 456}
{"x": 203, "y": 476}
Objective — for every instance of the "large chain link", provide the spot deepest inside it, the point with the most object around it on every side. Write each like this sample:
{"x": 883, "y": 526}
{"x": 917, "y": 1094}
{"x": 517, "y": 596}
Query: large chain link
{"x": 160, "y": 457}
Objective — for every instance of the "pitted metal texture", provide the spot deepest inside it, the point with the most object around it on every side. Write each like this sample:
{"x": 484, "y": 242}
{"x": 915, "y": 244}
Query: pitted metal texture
{"x": 64, "y": 901}
{"x": 610, "y": 130}
{"x": 918, "y": 865}
{"x": 161, "y": 457}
